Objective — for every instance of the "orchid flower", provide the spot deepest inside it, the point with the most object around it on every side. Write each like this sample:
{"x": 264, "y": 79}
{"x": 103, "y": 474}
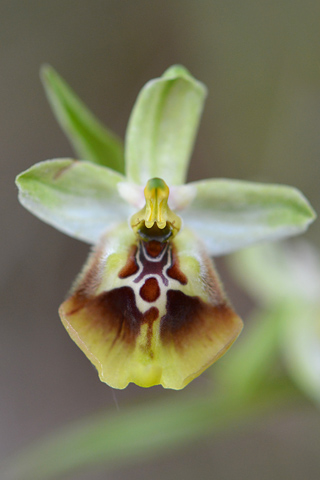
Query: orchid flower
{"x": 148, "y": 306}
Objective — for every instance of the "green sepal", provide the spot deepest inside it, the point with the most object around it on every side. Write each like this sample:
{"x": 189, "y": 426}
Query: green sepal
{"x": 231, "y": 214}
{"x": 163, "y": 126}
{"x": 79, "y": 198}
{"x": 89, "y": 138}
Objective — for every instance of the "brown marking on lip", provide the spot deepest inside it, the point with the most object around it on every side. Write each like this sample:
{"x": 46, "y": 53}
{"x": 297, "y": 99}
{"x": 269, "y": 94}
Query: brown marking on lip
{"x": 150, "y": 290}
{"x": 150, "y": 316}
{"x": 152, "y": 267}
{"x": 154, "y": 248}
{"x": 174, "y": 270}
{"x": 114, "y": 312}
{"x": 190, "y": 317}
{"x": 131, "y": 267}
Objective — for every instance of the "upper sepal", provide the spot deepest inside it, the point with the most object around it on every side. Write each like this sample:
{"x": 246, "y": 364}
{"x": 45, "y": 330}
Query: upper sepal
{"x": 162, "y": 127}
{"x": 149, "y": 312}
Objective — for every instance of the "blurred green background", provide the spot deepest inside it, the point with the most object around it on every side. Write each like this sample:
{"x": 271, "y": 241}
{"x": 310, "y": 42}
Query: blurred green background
{"x": 261, "y": 63}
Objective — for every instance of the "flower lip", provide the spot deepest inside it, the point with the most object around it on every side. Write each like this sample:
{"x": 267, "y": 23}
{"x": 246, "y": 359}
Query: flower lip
{"x": 156, "y": 221}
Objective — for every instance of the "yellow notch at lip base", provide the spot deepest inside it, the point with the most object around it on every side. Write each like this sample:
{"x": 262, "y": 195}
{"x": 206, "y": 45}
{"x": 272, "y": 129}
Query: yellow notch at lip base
{"x": 156, "y": 211}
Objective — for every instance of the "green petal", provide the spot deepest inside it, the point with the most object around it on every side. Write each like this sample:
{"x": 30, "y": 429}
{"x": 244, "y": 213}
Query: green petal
{"x": 90, "y": 140}
{"x": 231, "y": 214}
{"x": 162, "y": 127}
{"x": 78, "y": 198}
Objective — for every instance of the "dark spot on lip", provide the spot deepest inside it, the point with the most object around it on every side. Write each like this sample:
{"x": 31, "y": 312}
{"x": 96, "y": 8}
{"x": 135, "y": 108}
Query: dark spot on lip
{"x": 117, "y": 310}
{"x": 131, "y": 267}
{"x": 155, "y": 267}
{"x": 116, "y": 313}
{"x": 191, "y": 317}
{"x": 154, "y": 248}
{"x": 150, "y": 316}
{"x": 150, "y": 290}
{"x": 182, "y": 311}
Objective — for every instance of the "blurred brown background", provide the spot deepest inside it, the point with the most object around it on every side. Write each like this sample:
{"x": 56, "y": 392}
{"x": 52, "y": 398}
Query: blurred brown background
{"x": 261, "y": 63}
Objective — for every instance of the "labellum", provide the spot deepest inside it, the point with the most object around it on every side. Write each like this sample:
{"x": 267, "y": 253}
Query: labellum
{"x": 148, "y": 306}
